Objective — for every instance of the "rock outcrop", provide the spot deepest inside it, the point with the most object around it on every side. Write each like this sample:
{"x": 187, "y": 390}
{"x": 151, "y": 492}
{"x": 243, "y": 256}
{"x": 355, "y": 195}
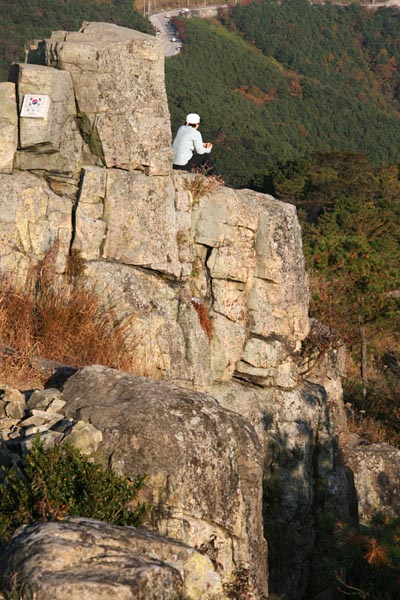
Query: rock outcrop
{"x": 376, "y": 470}
{"x": 42, "y": 413}
{"x": 118, "y": 78}
{"x": 213, "y": 284}
{"x": 33, "y": 219}
{"x": 203, "y": 463}
{"x": 83, "y": 558}
{"x": 148, "y": 241}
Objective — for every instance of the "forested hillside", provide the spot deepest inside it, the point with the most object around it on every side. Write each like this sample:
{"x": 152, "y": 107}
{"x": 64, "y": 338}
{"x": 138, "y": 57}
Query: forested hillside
{"x": 277, "y": 81}
{"x": 24, "y": 20}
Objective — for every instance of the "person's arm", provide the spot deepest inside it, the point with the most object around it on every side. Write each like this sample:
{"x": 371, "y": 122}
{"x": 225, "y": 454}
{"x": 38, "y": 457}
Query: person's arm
{"x": 199, "y": 146}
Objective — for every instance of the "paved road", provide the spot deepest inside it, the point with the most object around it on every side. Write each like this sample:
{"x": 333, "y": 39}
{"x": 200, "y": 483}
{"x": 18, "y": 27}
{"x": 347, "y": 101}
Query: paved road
{"x": 161, "y": 23}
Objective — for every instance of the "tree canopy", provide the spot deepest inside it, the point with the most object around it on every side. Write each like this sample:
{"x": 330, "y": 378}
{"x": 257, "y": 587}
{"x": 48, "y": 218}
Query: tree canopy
{"x": 275, "y": 82}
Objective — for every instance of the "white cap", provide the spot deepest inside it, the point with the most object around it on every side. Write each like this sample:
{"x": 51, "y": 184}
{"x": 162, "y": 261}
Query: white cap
{"x": 192, "y": 119}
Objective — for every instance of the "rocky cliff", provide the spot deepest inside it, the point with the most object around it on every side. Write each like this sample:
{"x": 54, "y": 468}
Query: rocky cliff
{"x": 214, "y": 286}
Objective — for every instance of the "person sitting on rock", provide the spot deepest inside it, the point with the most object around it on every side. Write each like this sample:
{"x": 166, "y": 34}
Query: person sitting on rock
{"x": 190, "y": 152}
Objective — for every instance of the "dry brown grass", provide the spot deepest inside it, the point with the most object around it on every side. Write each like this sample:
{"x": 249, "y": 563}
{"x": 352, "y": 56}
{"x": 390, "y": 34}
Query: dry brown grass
{"x": 375, "y": 417}
{"x": 204, "y": 318}
{"x": 367, "y": 427}
{"x": 49, "y": 317}
{"x": 202, "y": 183}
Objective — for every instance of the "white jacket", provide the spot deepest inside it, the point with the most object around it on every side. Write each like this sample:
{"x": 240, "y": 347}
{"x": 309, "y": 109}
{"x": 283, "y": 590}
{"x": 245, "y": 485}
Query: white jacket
{"x": 186, "y": 142}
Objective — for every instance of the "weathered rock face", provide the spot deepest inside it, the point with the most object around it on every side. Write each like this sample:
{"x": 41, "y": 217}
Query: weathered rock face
{"x": 8, "y": 127}
{"x": 32, "y": 220}
{"x": 253, "y": 275}
{"x": 129, "y": 218}
{"x": 215, "y": 249}
{"x": 300, "y": 455}
{"x": 161, "y": 253}
{"x": 82, "y": 558}
{"x": 376, "y": 469}
{"x": 118, "y": 78}
{"x": 204, "y": 463}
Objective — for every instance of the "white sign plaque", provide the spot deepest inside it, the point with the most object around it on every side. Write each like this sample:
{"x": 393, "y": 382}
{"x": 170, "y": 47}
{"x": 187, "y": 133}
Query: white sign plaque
{"x": 35, "y": 106}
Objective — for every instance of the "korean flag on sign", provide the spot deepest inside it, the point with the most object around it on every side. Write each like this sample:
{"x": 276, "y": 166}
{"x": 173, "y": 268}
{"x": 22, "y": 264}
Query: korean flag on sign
{"x": 35, "y": 106}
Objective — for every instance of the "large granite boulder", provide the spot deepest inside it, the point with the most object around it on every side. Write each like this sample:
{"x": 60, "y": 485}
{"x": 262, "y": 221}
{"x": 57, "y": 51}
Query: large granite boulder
{"x": 203, "y": 462}
{"x": 83, "y": 558}
{"x": 376, "y": 469}
{"x": 236, "y": 254}
{"x": 251, "y": 268}
{"x": 288, "y": 424}
{"x": 118, "y": 78}
{"x": 51, "y": 145}
{"x": 163, "y": 331}
{"x": 304, "y": 474}
{"x": 128, "y": 218}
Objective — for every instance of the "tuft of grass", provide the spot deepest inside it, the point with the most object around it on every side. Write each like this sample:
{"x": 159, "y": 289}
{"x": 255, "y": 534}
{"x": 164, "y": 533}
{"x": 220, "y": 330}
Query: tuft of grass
{"x": 76, "y": 265}
{"x": 202, "y": 183}
{"x": 11, "y": 590}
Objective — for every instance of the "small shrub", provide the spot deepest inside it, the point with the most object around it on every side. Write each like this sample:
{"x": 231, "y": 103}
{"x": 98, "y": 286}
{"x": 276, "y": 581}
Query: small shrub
{"x": 56, "y": 482}
{"x": 361, "y": 562}
{"x": 242, "y": 585}
{"x": 204, "y": 318}
{"x": 319, "y": 341}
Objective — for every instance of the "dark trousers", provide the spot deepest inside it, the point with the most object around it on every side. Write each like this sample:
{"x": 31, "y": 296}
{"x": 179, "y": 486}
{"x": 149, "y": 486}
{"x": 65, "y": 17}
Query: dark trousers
{"x": 198, "y": 161}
